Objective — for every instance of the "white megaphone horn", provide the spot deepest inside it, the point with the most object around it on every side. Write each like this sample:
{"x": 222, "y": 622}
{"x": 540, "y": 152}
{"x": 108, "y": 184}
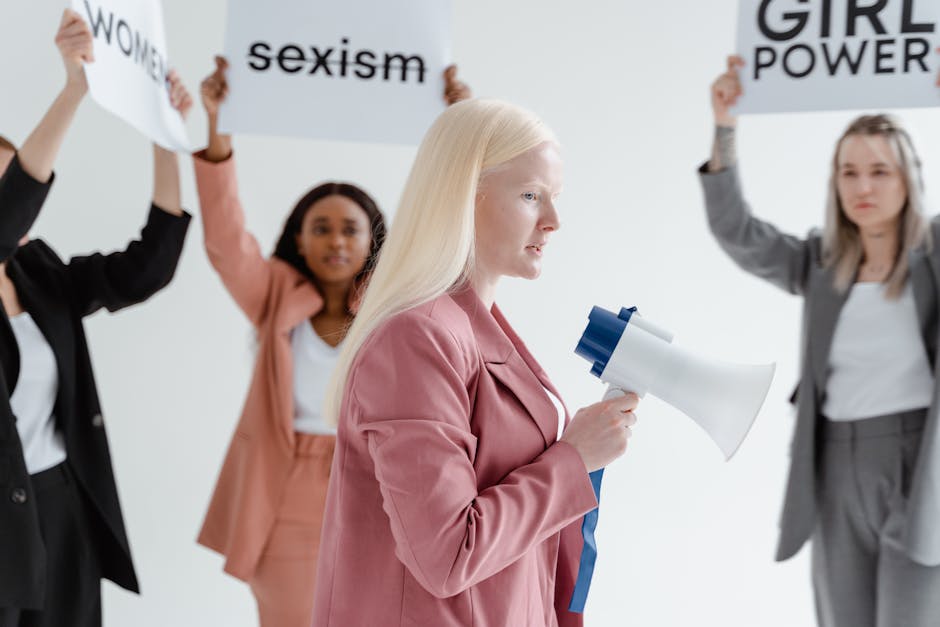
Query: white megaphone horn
{"x": 634, "y": 355}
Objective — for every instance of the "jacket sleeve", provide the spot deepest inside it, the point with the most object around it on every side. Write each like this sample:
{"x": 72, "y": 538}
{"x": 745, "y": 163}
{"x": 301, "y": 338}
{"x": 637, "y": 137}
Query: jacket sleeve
{"x": 232, "y": 250}
{"x": 756, "y": 246}
{"x": 131, "y": 276}
{"x": 21, "y": 198}
{"x": 410, "y": 393}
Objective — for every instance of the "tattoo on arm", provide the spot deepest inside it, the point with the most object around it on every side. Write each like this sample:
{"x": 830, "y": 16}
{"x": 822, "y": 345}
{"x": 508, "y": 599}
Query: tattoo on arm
{"x": 724, "y": 152}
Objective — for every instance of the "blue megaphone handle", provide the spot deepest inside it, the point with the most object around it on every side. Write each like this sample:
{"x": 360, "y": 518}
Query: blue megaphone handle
{"x": 589, "y": 552}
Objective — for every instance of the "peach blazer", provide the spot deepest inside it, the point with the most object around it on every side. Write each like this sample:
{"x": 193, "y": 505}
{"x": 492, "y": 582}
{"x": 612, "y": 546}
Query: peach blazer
{"x": 276, "y": 298}
{"x": 450, "y": 502}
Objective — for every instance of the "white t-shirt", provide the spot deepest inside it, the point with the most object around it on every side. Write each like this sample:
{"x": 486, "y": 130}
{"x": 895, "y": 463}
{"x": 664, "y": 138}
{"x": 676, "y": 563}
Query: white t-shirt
{"x": 561, "y": 412}
{"x": 878, "y": 361}
{"x": 314, "y": 361}
{"x": 33, "y": 398}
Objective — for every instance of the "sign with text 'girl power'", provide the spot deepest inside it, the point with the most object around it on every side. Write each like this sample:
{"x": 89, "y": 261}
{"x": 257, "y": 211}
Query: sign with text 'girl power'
{"x": 360, "y": 70}
{"x": 816, "y": 55}
{"x": 128, "y": 76}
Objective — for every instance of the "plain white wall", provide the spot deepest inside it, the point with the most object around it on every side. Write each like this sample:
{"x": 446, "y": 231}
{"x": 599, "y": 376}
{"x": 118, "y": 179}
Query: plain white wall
{"x": 685, "y": 538}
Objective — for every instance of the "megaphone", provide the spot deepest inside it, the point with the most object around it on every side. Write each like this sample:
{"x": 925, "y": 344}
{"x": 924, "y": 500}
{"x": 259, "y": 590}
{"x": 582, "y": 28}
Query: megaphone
{"x": 632, "y": 354}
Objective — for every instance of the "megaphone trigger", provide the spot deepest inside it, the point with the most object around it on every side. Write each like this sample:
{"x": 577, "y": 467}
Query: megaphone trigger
{"x": 613, "y": 392}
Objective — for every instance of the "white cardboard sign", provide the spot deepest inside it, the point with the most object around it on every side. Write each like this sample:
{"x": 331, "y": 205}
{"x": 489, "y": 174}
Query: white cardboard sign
{"x": 128, "y": 76}
{"x": 360, "y": 70}
{"x": 819, "y": 55}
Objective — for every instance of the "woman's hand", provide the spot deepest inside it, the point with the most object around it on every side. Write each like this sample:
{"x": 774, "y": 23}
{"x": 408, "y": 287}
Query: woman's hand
{"x": 455, "y": 90}
{"x": 166, "y": 177}
{"x": 214, "y": 90}
{"x": 76, "y": 45}
{"x": 725, "y": 92}
{"x": 600, "y": 432}
{"x": 179, "y": 95}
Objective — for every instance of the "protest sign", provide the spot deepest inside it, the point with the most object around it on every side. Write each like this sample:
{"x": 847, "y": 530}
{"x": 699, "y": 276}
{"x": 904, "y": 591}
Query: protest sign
{"x": 361, "y": 70}
{"x": 128, "y": 76}
{"x": 814, "y": 55}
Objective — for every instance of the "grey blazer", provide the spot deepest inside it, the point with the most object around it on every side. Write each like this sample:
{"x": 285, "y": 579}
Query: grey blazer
{"x": 795, "y": 265}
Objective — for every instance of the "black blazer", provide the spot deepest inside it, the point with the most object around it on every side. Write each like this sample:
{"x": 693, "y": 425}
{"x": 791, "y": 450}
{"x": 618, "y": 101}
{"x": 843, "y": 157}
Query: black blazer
{"x": 58, "y": 295}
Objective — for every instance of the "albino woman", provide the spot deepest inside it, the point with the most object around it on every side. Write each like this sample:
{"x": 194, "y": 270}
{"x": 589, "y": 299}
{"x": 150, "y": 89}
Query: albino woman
{"x": 457, "y": 494}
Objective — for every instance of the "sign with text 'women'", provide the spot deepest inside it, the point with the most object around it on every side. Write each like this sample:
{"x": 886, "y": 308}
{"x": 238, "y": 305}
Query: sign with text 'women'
{"x": 361, "y": 70}
{"x": 128, "y": 76}
{"x": 816, "y": 55}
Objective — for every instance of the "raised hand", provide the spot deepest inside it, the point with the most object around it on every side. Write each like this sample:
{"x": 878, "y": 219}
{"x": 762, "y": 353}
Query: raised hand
{"x": 725, "y": 92}
{"x": 76, "y": 45}
{"x": 214, "y": 88}
{"x": 455, "y": 90}
{"x": 179, "y": 95}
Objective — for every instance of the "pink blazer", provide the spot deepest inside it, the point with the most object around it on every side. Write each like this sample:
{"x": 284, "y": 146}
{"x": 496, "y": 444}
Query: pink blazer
{"x": 276, "y": 298}
{"x": 450, "y": 502}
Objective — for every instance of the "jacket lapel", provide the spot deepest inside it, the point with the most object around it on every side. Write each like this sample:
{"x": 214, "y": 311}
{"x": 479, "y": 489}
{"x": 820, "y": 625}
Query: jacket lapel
{"x": 512, "y": 367}
{"x": 52, "y": 316}
{"x": 924, "y": 288}
{"x": 9, "y": 353}
{"x": 825, "y": 307}
{"x": 300, "y": 301}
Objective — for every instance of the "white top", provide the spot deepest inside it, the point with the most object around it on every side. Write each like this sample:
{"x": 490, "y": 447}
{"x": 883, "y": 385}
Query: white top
{"x": 561, "y": 412}
{"x": 878, "y": 361}
{"x": 314, "y": 361}
{"x": 33, "y": 399}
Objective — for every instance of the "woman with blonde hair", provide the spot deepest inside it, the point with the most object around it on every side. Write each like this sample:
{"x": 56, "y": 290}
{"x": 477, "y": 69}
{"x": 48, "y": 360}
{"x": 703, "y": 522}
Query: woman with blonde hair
{"x": 457, "y": 492}
{"x": 865, "y": 474}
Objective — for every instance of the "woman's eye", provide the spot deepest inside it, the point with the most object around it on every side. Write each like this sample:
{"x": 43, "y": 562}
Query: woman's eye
{"x": 530, "y": 196}
{"x": 351, "y": 232}
{"x": 848, "y": 174}
{"x": 319, "y": 230}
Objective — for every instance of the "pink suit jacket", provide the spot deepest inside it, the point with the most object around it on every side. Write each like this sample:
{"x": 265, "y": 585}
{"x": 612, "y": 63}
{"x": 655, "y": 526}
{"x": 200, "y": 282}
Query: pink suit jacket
{"x": 275, "y": 298}
{"x": 450, "y": 502}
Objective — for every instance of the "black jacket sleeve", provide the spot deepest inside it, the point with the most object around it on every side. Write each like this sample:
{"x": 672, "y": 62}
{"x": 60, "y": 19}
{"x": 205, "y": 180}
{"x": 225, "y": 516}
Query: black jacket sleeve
{"x": 131, "y": 276}
{"x": 21, "y": 198}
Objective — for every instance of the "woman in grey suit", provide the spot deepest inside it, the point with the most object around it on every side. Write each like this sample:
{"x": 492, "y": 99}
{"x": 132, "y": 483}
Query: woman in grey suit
{"x": 864, "y": 481}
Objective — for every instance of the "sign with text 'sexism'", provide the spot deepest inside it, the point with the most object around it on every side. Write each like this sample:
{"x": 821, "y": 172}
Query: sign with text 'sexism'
{"x": 358, "y": 70}
{"x": 818, "y": 55}
{"x": 128, "y": 75}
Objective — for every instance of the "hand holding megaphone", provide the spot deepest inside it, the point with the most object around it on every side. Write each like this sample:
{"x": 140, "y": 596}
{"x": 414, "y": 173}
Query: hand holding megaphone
{"x": 633, "y": 354}
{"x": 599, "y": 432}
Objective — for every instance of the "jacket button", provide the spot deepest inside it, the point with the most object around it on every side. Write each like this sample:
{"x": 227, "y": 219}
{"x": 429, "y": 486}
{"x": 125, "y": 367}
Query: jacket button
{"x": 18, "y": 496}
{"x": 97, "y": 420}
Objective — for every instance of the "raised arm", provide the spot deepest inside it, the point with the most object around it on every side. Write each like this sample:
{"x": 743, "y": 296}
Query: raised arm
{"x": 755, "y": 245}
{"x": 147, "y": 265}
{"x": 410, "y": 394}
{"x": 232, "y": 250}
{"x": 26, "y": 181}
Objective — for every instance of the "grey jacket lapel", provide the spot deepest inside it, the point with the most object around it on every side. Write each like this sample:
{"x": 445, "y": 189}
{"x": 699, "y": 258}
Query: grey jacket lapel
{"x": 924, "y": 287}
{"x": 826, "y": 305}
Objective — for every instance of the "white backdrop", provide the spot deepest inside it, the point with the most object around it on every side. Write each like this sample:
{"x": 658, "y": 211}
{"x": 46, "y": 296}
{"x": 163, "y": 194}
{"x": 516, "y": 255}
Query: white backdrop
{"x": 685, "y": 538}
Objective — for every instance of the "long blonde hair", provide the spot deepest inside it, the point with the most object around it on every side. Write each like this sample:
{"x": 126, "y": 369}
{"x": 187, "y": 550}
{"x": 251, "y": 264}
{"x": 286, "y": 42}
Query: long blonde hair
{"x": 429, "y": 247}
{"x": 842, "y": 244}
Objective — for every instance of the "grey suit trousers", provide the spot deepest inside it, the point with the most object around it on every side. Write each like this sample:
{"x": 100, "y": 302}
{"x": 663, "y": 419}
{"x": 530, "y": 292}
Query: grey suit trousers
{"x": 861, "y": 574}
